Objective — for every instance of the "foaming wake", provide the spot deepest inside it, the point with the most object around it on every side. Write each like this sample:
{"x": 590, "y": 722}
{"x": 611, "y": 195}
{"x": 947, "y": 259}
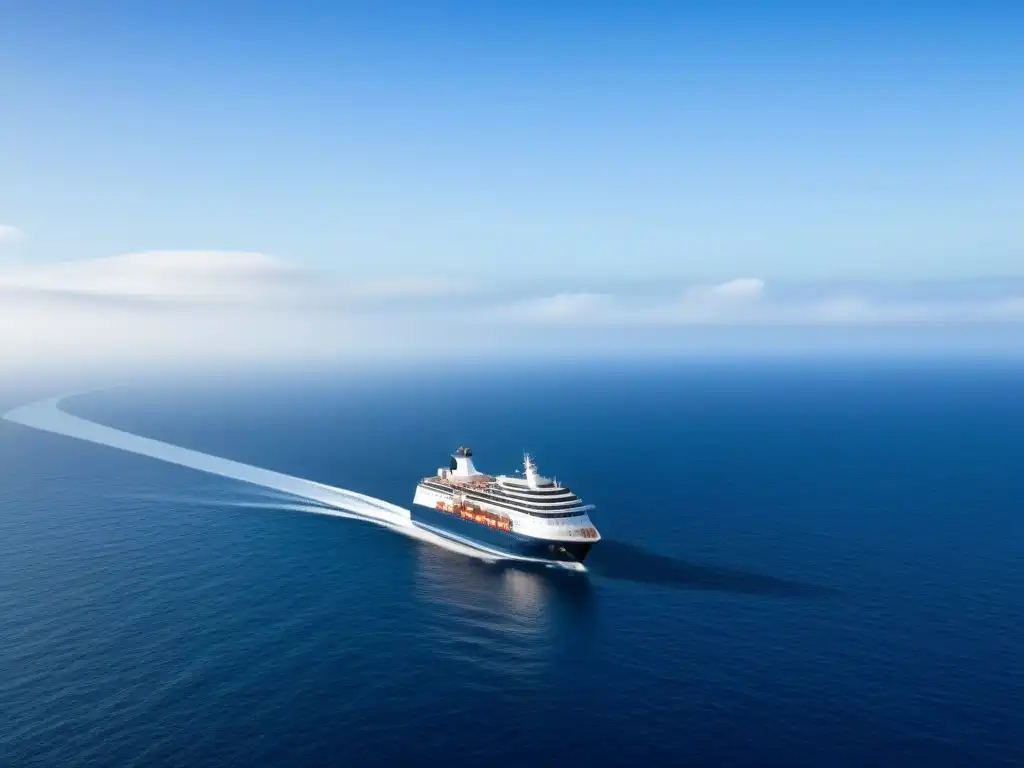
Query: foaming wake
{"x": 47, "y": 416}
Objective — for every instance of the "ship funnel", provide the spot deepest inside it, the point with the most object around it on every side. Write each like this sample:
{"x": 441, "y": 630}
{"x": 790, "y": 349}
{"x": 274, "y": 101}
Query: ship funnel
{"x": 462, "y": 464}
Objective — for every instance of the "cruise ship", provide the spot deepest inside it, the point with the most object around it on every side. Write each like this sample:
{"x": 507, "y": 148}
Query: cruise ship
{"x": 531, "y": 516}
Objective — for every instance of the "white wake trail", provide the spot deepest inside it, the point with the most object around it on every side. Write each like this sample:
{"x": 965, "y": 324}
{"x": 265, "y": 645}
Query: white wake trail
{"x": 47, "y": 416}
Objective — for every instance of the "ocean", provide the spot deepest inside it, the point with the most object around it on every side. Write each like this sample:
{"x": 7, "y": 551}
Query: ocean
{"x": 804, "y": 563}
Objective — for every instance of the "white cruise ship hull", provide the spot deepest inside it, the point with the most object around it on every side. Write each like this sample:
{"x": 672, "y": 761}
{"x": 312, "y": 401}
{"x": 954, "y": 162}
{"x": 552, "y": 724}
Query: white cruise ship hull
{"x": 476, "y": 524}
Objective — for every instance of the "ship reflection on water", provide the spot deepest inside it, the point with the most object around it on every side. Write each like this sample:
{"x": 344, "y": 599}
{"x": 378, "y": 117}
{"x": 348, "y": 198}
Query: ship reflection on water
{"x": 524, "y": 590}
{"x": 508, "y": 622}
{"x": 553, "y": 587}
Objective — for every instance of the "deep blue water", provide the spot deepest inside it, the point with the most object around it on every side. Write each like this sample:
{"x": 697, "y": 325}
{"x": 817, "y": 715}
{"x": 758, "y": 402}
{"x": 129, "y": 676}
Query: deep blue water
{"x": 805, "y": 563}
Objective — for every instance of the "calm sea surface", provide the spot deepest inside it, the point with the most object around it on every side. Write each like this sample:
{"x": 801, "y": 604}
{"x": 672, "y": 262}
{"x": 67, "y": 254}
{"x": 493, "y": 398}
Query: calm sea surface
{"x": 803, "y": 564}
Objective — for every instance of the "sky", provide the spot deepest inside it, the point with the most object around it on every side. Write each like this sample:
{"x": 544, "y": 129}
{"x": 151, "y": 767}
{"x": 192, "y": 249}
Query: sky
{"x": 642, "y": 165}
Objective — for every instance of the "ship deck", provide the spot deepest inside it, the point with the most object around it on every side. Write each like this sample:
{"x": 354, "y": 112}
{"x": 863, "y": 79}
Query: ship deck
{"x": 480, "y": 482}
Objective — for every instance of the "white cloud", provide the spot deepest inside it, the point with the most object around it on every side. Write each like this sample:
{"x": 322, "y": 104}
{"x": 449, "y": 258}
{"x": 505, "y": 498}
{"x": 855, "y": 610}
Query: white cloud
{"x": 9, "y": 234}
{"x": 705, "y": 302}
{"x": 216, "y": 305}
{"x": 744, "y": 288}
{"x": 730, "y": 301}
{"x": 158, "y": 275}
{"x": 745, "y": 303}
{"x": 560, "y": 309}
{"x": 223, "y": 305}
{"x": 214, "y": 276}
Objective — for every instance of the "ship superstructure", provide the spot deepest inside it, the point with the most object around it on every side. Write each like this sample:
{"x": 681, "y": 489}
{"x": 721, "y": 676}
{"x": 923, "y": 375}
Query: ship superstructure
{"x": 529, "y": 516}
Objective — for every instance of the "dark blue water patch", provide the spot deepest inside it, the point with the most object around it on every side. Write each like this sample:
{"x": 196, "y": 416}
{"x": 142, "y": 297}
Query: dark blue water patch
{"x": 803, "y": 565}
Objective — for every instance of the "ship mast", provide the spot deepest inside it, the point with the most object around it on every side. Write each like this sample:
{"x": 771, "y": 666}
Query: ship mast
{"x": 531, "y": 471}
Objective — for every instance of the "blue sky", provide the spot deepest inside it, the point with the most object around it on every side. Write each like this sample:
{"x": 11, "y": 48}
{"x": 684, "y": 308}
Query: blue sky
{"x": 704, "y": 141}
{"x": 361, "y": 173}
